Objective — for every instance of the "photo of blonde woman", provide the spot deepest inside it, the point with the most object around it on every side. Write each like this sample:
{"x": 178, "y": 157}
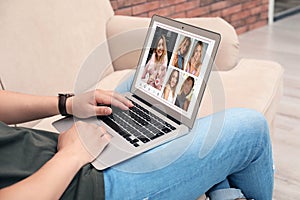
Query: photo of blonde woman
{"x": 156, "y": 67}
{"x": 195, "y": 63}
{"x": 179, "y": 55}
{"x": 171, "y": 85}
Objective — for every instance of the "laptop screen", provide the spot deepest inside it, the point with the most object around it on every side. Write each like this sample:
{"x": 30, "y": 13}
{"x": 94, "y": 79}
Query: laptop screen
{"x": 173, "y": 66}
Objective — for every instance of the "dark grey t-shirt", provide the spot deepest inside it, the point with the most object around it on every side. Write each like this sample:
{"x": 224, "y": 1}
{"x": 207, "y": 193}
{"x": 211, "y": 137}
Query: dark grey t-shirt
{"x": 23, "y": 151}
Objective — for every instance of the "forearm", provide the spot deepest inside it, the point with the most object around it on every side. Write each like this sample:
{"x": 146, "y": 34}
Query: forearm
{"x": 17, "y": 107}
{"x": 49, "y": 182}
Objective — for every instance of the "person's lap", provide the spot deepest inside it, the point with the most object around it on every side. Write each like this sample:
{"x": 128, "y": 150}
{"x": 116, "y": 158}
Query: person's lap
{"x": 228, "y": 145}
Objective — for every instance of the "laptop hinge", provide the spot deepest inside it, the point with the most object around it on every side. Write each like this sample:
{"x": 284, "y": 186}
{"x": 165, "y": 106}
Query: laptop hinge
{"x": 156, "y": 109}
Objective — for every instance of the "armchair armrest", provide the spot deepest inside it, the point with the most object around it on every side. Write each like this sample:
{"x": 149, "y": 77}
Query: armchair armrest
{"x": 228, "y": 53}
{"x": 126, "y": 36}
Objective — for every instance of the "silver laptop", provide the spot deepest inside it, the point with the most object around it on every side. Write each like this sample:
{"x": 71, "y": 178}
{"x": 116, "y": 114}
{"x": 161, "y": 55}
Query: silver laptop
{"x": 167, "y": 90}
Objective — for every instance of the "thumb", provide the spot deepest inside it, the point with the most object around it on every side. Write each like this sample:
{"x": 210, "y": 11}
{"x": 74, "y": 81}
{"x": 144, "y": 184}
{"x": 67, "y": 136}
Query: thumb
{"x": 104, "y": 140}
{"x": 93, "y": 138}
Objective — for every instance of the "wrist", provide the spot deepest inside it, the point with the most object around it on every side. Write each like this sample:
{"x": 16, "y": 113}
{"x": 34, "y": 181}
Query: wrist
{"x": 72, "y": 158}
{"x": 64, "y": 104}
{"x": 69, "y": 105}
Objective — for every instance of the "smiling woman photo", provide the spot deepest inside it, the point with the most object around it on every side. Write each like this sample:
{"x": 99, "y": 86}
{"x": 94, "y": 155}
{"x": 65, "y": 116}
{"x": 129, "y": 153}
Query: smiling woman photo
{"x": 179, "y": 56}
{"x": 171, "y": 85}
{"x": 157, "y": 66}
{"x": 195, "y": 63}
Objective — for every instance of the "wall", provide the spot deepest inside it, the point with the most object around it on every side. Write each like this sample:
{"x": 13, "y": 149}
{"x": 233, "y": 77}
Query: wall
{"x": 244, "y": 15}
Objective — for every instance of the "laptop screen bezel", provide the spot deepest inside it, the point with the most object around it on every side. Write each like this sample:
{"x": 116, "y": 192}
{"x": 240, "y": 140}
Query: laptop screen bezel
{"x": 189, "y": 122}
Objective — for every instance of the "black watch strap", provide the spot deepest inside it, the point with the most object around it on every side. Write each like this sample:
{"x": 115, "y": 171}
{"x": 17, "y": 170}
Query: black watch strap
{"x": 62, "y": 99}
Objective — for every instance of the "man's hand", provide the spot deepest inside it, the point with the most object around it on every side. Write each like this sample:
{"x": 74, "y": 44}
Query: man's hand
{"x": 85, "y": 105}
{"x": 84, "y": 141}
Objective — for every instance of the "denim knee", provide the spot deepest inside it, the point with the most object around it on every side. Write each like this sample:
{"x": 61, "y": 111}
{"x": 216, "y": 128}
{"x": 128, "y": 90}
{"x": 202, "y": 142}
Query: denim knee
{"x": 251, "y": 129}
{"x": 249, "y": 121}
{"x": 234, "y": 125}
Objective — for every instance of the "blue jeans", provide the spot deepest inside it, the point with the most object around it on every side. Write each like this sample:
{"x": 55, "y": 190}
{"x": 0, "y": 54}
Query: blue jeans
{"x": 227, "y": 149}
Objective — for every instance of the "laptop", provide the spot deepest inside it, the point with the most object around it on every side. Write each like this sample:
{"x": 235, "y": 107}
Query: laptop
{"x": 168, "y": 86}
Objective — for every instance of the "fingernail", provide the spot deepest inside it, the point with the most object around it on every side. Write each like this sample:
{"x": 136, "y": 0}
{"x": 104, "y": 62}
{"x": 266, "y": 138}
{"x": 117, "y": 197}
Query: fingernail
{"x": 108, "y": 111}
{"x": 130, "y": 103}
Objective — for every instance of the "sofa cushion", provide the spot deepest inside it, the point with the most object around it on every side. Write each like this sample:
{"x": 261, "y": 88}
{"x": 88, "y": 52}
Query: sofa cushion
{"x": 255, "y": 84}
{"x": 44, "y": 43}
{"x": 126, "y": 42}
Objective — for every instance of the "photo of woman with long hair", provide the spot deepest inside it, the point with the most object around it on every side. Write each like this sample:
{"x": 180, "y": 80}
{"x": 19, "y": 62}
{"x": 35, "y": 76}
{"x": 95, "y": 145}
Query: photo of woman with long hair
{"x": 157, "y": 65}
{"x": 195, "y": 62}
{"x": 171, "y": 85}
{"x": 179, "y": 55}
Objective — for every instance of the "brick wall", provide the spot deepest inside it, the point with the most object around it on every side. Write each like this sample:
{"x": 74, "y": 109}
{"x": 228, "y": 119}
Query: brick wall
{"x": 244, "y": 15}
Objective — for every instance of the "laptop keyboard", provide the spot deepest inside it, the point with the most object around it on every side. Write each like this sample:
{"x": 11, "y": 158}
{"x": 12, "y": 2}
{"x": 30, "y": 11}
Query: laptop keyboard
{"x": 137, "y": 125}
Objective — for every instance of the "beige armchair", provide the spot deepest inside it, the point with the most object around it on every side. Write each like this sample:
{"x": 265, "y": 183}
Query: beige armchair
{"x": 45, "y": 46}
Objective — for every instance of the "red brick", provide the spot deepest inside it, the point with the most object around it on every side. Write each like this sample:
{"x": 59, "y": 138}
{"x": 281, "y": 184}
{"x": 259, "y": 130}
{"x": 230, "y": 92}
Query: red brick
{"x": 180, "y": 8}
{"x": 240, "y": 15}
{"x": 206, "y": 2}
{"x": 165, "y": 3}
{"x": 265, "y": 7}
{"x": 138, "y": 9}
{"x": 251, "y": 19}
{"x": 179, "y": 1}
{"x": 123, "y": 3}
{"x": 231, "y": 10}
{"x": 226, "y": 18}
{"x": 219, "y": 5}
{"x": 186, "y": 6}
{"x": 166, "y": 11}
{"x": 232, "y": 3}
{"x": 250, "y": 4}
{"x": 241, "y": 30}
{"x": 214, "y": 14}
{"x": 238, "y": 23}
{"x": 256, "y": 10}
{"x": 134, "y": 2}
{"x": 257, "y": 24}
{"x": 124, "y": 11}
{"x": 197, "y": 12}
{"x": 264, "y": 15}
{"x": 178, "y": 15}
{"x": 244, "y": 15}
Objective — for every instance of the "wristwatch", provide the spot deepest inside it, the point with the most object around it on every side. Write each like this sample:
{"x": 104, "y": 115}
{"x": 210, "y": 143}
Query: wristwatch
{"x": 62, "y": 98}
